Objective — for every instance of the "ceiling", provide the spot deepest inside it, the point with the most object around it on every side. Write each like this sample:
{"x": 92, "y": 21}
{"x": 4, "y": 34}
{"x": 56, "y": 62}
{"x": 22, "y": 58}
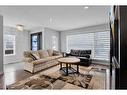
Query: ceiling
{"x": 55, "y": 17}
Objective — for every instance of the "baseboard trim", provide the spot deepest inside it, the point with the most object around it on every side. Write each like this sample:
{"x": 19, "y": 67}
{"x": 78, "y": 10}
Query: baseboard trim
{"x": 14, "y": 62}
{"x": 101, "y": 64}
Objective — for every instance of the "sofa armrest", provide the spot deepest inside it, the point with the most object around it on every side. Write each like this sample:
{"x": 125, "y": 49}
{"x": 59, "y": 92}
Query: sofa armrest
{"x": 28, "y": 59}
{"x": 68, "y": 54}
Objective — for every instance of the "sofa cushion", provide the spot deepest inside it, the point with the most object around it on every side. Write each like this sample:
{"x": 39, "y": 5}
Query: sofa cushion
{"x": 41, "y": 61}
{"x": 85, "y": 53}
{"x": 57, "y": 56}
{"x": 50, "y": 52}
{"x": 27, "y": 53}
{"x": 55, "y": 53}
{"x": 35, "y": 54}
{"x": 74, "y": 52}
{"x": 32, "y": 56}
{"x": 28, "y": 59}
{"x": 43, "y": 53}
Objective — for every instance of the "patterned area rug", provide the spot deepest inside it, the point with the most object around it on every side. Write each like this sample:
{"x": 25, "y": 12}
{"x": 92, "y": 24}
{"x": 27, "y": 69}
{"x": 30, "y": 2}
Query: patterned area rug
{"x": 54, "y": 81}
{"x": 92, "y": 77}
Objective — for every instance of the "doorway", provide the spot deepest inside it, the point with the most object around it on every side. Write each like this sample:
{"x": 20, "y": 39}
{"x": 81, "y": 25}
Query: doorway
{"x": 36, "y": 41}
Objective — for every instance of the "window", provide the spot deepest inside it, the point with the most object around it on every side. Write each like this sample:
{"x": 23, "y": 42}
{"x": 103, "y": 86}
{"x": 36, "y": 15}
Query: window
{"x": 80, "y": 41}
{"x": 9, "y": 44}
{"x": 102, "y": 45}
{"x": 36, "y": 40}
{"x": 54, "y": 43}
{"x": 98, "y": 42}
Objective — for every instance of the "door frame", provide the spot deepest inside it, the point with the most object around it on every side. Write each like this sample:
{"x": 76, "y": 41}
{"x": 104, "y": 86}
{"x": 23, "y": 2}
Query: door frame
{"x": 39, "y": 34}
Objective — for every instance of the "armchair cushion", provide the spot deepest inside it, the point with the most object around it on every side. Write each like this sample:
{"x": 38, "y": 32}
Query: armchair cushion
{"x": 83, "y": 55}
{"x": 74, "y": 52}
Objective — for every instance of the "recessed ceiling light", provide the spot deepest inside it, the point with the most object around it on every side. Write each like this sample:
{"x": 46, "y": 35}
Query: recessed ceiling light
{"x": 86, "y": 7}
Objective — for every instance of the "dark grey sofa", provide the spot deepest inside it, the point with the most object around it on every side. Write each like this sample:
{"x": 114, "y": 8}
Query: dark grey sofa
{"x": 83, "y": 55}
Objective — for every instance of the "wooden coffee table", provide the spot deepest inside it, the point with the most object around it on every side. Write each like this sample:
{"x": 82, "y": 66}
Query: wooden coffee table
{"x": 68, "y": 61}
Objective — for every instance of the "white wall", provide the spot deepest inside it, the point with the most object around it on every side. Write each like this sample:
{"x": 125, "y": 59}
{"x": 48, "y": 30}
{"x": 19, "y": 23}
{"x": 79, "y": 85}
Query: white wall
{"x": 1, "y": 44}
{"x": 22, "y": 44}
{"x": 89, "y": 29}
{"x": 48, "y": 34}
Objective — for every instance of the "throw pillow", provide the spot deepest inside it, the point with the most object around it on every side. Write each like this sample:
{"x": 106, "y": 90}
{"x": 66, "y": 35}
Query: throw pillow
{"x": 50, "y": 52}
{"x": 32, "y": 56}
{"x": 43, "y": 53}
{"x": 36, "y": 56}
{"x": 55, "y": 53}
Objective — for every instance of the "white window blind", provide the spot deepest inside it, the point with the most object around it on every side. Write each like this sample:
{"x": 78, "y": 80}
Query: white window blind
{"x": 102, "y": 45}
{"x": 80, "y": 41}
{"x": 98, "y": 43}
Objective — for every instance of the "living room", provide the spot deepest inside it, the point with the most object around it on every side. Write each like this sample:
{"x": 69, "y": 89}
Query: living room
{"x": 60, "y": 40}
{"x": 56, "y": 32}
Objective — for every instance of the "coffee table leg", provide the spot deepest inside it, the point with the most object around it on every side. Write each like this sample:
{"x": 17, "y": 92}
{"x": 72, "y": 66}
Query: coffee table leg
{"x": 77, "y": 68}
{"x": 69, "y": 65}
{"x": 66, "y": 69}
{"x": 60, "y": 65}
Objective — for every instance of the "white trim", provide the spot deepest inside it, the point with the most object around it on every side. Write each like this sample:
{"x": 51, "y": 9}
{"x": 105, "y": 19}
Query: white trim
{"x": 43, "y": 47}
{"x": 103, "y": 62}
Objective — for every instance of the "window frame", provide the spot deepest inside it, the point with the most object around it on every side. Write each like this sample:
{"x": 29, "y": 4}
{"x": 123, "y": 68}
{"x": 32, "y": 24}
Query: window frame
{"x": 14, "y": 45}
{"x": 94, "y": 45}
{"x": 39, "y": 40}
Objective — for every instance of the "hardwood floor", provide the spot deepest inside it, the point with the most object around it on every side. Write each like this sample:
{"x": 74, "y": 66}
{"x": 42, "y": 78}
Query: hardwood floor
{"x": 2, "y": 81}
{"x": 12, "y": 73}
{"x": 18, "y": 75}
{"x": 15, "y": 72}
